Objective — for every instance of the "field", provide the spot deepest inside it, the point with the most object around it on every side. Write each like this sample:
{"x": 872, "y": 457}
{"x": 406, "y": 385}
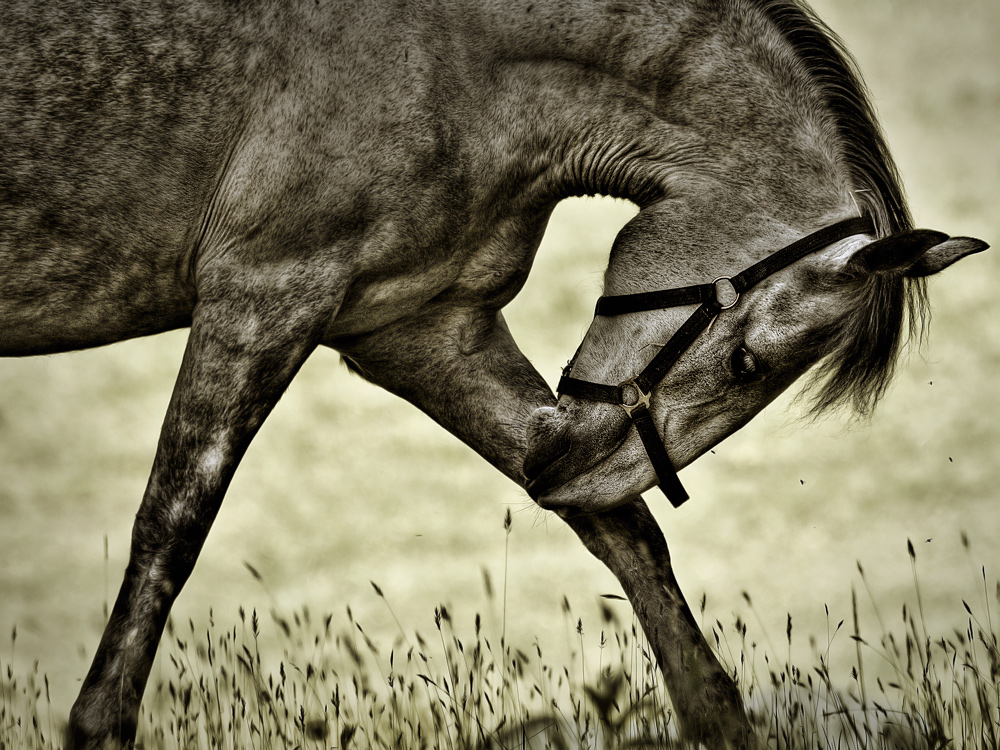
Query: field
{"x": 326, "y": 502}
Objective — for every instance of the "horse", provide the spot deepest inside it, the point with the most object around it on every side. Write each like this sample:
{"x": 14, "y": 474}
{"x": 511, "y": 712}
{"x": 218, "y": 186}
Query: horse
{"x": 375, "y": 177}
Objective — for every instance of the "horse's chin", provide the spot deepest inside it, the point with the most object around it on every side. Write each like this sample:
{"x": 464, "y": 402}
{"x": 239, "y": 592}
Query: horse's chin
{"x": 576, "y": 465}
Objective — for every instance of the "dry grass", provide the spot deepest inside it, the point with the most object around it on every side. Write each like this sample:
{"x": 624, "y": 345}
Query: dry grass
{"x": 464, "y": 686}
{"x": 323, "y": 503}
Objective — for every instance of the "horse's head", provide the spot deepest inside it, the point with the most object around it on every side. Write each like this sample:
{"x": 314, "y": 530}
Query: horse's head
{"x": 834, "y": 295}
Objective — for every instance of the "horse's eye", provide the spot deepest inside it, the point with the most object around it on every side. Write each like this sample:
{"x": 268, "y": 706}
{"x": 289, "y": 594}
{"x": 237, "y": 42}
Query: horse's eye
{"x": 743, "y": 363}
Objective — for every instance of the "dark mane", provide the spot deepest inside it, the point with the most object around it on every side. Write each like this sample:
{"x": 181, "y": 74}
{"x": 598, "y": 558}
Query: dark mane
{"x": 885, "y": 310}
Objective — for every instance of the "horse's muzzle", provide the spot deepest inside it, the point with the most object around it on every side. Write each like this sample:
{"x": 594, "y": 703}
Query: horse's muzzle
{"x": 548, "y": 441}
{"x": 562, "y": 447}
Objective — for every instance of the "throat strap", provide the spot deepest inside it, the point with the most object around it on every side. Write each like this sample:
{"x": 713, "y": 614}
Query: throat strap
{"x": 634, "y": 395}
{"x": 669, "y": 483}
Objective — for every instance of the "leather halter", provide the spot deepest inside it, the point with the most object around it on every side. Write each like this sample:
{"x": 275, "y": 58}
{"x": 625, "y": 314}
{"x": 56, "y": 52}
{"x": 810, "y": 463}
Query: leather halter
{"x": 634, "y": 395}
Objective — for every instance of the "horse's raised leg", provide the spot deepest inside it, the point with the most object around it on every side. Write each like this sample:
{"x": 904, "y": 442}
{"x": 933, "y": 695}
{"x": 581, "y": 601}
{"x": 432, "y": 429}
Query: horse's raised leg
{"x": 472, "y": 378}
{"x": 240, "y": 356}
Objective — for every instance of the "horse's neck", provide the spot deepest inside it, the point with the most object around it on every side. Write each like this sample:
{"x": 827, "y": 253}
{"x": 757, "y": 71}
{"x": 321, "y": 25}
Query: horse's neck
{"x": 648, "y": 100}
{"x": 617, "y": 38}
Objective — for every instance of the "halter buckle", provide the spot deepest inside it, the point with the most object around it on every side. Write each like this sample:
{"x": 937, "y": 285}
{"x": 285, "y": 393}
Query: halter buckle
{"x": 725, "y": 289}
{"x": 640, "y": 400}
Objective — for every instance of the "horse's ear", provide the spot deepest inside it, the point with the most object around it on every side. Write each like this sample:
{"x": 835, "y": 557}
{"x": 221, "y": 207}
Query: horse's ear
{"x": 916, "y": 252}
{"x": 939, "y": 257}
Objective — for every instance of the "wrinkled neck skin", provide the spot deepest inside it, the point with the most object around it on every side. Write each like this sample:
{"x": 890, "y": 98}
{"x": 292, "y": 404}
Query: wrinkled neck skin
{"x": 684, "y": 118}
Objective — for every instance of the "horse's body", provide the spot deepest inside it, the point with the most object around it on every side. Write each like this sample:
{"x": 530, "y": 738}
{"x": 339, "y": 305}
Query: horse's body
{"x": 147, "y": 153}
{"x": 376, "y": 177}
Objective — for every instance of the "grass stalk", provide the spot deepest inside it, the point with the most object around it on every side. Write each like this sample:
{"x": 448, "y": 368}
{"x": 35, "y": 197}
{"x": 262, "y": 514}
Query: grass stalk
{"x": 934, "y": 693}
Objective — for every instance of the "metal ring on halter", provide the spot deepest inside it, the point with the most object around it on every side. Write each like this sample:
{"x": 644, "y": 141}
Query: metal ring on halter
{"x": 731, "y": 290}
{"x": 642, "y": 399}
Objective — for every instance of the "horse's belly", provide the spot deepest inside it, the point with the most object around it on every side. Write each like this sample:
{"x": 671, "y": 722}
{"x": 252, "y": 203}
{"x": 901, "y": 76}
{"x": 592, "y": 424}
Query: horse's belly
{"x": 60, "y": 301}
{"x": 94, "y": 246}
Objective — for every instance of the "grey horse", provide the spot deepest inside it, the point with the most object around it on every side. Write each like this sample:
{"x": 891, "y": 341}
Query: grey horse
{"x": 375, "y": 177}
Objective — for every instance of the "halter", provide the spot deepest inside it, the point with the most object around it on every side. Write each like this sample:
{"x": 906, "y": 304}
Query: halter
{"x": 634, "y": 395}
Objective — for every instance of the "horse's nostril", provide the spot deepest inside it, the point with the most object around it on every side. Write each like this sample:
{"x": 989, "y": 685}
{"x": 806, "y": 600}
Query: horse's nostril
{"x": 547, "y": 442}
{"x": 536, "y": 461}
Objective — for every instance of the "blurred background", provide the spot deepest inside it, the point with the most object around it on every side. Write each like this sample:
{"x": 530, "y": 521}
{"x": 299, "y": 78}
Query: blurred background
{"x": 326, "y": 501}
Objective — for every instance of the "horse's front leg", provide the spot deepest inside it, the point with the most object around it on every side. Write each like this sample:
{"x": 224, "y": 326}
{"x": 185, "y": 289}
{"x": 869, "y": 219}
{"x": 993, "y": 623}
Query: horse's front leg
{"x": 467, "y": 372}
{"x": 629, "y": 541}
{"x": 242, "y": 352}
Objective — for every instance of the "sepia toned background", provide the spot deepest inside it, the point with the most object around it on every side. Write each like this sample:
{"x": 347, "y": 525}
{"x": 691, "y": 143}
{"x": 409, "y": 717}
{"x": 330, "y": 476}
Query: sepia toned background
{"x": 346, "y": 484}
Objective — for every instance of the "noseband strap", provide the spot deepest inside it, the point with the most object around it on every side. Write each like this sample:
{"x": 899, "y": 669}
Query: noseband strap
{"x": 634, "y": 395}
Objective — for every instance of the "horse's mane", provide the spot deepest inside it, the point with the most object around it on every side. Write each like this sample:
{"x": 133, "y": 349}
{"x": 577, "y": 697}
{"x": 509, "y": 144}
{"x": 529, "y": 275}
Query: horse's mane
{"x": 886, "y": 310}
